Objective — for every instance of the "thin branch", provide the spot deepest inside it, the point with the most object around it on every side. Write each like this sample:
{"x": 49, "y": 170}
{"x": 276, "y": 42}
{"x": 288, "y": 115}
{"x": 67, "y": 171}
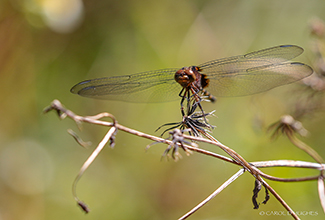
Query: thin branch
{"x": 288, "y": 163}
{"x": 278, "y": 197}
{"x": 289, "y": 126}
{"x": 303, "y": 146}
{"x": 90, "y": 159}
{"x": 78, "y": 139}
{"x": 216, "y": 192}
{"x": 321, "y": 191}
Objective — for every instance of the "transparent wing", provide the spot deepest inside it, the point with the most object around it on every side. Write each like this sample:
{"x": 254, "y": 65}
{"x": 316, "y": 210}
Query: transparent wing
{"x": 273, "y": 55}
{"x": 151, "y": 86}
{"x": 255, "y": 72}
{"x": 256, "y": 79}
{"x": 234, "y": 76}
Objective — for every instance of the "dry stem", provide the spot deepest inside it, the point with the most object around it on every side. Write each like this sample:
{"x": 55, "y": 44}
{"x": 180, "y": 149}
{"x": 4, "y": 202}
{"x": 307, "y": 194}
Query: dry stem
{"x": 252, "y": 167}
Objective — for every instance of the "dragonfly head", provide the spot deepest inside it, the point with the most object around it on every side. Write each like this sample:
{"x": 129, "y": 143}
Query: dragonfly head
{"x": 185, "y": 76}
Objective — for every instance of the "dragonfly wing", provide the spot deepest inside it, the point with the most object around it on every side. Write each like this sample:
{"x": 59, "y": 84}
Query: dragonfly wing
{"x": 152, "y": 86}
{"x": 241, "y": 81}
{"x": 273, "y": 55}
{"x": 234, "y": 76}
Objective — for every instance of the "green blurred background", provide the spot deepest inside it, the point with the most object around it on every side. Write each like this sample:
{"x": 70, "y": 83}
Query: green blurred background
{"x": 47, "y": 46}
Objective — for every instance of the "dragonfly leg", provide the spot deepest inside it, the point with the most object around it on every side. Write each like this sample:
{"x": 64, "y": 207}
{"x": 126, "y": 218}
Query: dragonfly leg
{"x": 184, "y": 96}
{"x": 197, "y": 102}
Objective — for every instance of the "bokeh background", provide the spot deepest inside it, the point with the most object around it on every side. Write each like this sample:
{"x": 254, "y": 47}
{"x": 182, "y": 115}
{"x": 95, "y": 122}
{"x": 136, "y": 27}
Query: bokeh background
{"x": 47, "y": 46}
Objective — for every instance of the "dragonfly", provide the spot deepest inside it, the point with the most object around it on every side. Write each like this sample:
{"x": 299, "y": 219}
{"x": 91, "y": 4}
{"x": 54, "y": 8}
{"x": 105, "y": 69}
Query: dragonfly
{"x": 241, "y": 75}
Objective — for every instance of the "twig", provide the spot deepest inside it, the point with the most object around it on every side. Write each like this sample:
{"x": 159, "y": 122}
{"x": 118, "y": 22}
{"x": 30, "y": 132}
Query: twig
{"x": 78, "y": 139}
{"x": 90, "y": 159}
{"x": 216, "y": 192}
{"x": 278, "y": 197}
{"x": 321, "y": 191}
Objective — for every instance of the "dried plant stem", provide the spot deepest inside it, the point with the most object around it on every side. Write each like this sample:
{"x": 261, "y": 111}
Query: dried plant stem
{"x": 254, "y": 171}
{"x": 306, "y": 148}
{"x": 91, "y": 158}
{"x": 277, "y": 196}
{"x": 252, "y": 167}
{"x": 289, "y": 163}
{"x": 321, "y": 191}
{"x": 211, "y": 196}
